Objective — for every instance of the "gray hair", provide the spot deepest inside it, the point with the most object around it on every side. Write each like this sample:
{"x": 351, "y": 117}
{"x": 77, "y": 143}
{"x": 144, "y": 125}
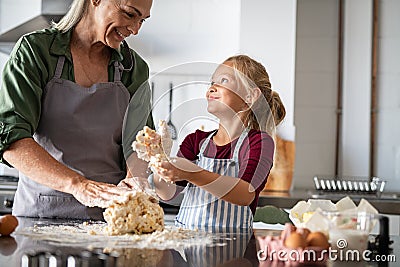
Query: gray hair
{"x": 74, "y": 15}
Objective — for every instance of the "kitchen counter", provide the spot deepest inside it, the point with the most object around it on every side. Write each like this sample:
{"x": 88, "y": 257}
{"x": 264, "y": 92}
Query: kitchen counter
{"x": 388, "y": 203}
{"x": 238, "y": 249}
{"x": 21, "y": 249}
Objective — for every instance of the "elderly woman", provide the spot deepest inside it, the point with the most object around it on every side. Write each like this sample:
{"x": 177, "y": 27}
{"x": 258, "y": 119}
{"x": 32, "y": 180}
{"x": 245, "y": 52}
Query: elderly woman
{"x": 63, "y": 98}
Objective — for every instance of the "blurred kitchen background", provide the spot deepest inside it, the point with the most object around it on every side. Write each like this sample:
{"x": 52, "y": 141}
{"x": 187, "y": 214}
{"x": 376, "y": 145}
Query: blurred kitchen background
{"x": 335, "y": 63}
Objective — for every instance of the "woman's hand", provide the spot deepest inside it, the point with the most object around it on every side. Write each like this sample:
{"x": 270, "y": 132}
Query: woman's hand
{"x": 139, "y": 184}
{"x": 135, "y": 184}
{"x": 91, "y": 193}
{"x": 177, "y": 169}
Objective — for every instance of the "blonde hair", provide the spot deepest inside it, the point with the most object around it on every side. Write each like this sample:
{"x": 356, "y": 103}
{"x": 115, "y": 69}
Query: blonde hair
{"x": 77, "y": 10}
{"x": 259, "y": 117}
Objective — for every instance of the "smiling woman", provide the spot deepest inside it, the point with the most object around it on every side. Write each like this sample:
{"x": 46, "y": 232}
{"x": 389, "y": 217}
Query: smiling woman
{"x": 63, "y": 98}
{"x": 104, "y": 25}
{"x": 114, "y": 19}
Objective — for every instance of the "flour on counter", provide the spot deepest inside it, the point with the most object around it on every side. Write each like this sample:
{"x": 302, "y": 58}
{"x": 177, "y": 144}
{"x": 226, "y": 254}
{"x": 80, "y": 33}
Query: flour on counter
{"x": 94, "y": 235}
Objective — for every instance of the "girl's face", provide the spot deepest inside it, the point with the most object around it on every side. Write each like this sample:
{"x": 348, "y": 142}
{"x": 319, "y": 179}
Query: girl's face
{"x": 117, "y": 19}
{"x": 225, "y": 94}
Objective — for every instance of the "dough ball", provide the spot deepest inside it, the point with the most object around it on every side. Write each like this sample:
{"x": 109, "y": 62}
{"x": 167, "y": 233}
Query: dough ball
{"x": 134, "y": 213}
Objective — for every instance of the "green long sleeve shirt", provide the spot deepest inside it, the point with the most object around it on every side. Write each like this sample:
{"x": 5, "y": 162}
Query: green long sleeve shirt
{"x": 31, "y": 66}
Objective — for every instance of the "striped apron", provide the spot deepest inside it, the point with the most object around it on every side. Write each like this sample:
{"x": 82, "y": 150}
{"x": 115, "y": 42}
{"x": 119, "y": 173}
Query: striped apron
{"x": 202, "y": 210}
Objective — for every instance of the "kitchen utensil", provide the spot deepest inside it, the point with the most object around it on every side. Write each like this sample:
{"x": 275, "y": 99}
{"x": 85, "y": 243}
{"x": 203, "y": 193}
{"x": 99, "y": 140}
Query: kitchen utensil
{"x": 8, "y": 186}
{"x": 171, "y": 126}
{"x": 363, "y": 185}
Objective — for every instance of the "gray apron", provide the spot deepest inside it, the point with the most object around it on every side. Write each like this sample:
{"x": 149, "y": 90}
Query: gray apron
{"x": 202, "y": 210}
{"x": 81, "y": 128}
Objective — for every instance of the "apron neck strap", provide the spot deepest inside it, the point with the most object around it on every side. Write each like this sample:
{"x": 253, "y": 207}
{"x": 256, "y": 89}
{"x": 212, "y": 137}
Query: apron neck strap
{"x": 60, "y": 66}
{"x": 117, "y": 71}
{"x": 205, "y": 143}
{"x": 239, "y": 143}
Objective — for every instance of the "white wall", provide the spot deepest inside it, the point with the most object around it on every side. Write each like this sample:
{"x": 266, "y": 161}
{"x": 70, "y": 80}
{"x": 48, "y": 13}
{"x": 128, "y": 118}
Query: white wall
{"x": 12, "y": 14}
{"x": 388, "y": 127}
{"x": 357, "y": 65}
{"x": 315, "y": 90}
{"x": 268, "y": 34}
{"x": 182, "y": 31}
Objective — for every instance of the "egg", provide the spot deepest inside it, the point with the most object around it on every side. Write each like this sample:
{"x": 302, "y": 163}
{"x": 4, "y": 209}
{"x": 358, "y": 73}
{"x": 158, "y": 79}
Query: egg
{"x": 288, "y": 229}
{"x": 317, "y": 239}
{"x": 8, "y": 223}
{"x": 7, "y": 245}
{"x": 304, "y": 232}
{"x": 295, "y": 240}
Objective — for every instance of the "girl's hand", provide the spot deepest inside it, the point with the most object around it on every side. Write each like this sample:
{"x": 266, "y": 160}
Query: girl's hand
{"x": 177, "y": 169}
{"x": 91, "y": 193}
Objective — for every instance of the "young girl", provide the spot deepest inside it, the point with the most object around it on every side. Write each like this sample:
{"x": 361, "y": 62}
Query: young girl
{"x": 224, "y": 170}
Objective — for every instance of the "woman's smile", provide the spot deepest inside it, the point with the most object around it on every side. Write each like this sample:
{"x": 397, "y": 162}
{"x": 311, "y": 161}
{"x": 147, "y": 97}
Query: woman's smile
{"x": 121, "y": 34}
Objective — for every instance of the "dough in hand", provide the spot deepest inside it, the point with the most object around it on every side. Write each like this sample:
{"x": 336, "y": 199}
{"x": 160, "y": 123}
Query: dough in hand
{"x": 134, "y": 213}
{"x": 152, "y": 146}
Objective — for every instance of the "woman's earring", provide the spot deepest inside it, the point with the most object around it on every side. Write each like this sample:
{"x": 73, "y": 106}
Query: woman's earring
{"x": 95, "y": 2}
